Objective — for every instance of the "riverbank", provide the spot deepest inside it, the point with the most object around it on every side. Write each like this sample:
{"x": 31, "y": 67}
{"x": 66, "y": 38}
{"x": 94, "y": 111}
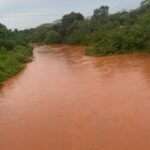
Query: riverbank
{"x": 12, "y": 62}
{"x": 99, "y": 51}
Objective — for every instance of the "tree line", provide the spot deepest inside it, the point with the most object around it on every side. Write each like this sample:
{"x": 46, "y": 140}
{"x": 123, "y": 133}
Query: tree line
{"x": 103, "y": 33}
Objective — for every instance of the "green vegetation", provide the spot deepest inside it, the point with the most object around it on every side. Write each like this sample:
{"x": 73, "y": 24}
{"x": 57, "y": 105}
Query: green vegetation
{"x": 13, "y": 53}
{"x": 52, "y": 37}
{"x": 103, "y": 33}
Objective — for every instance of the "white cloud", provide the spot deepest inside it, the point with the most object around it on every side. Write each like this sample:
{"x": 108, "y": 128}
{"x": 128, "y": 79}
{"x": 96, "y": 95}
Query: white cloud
{"x": 26, "y": 13}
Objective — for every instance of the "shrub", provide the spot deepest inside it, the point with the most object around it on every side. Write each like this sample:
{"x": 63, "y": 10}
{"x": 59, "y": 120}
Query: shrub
{"x": 11, "y": 62}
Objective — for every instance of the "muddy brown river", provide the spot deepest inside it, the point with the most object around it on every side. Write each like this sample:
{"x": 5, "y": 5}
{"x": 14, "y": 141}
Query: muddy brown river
{"x": 65, "y": 100}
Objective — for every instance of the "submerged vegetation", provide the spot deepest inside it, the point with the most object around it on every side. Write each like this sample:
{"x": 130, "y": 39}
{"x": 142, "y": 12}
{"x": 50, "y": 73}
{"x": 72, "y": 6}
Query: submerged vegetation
{"x": 14, "y": 52}
{"x": 103, "y": 33}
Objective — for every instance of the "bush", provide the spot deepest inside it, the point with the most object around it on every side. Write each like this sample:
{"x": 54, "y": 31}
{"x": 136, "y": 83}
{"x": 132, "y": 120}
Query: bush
{"x": 74, "y": 39}
{"x": 11, "y": 62}
{"x": 9, "y": 44}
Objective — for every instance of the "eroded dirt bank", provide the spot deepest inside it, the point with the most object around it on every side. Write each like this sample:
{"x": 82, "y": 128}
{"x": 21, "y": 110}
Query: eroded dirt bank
{"x": 65, "y": 100}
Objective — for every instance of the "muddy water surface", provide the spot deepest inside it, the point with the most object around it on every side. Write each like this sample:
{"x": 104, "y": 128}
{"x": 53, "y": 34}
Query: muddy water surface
{"x": 65, "y": 100}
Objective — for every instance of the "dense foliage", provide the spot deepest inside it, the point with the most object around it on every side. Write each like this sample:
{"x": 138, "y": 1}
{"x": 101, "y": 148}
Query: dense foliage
{"x": 52, "y": 37}
{"x": 103, "y": 33}
{"x": 13, "y": 52}
{"x": 11, "y": 62}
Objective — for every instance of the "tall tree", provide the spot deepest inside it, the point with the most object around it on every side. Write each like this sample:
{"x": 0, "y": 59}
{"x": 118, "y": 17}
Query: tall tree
{"x": 101, "y": 12}
{"x": 145, "y": 2}
{"x": 68, "y": 19}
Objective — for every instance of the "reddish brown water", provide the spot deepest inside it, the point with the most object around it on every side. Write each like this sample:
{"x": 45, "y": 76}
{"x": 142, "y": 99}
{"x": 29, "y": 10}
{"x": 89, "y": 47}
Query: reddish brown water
{"x": 65, "y": 100}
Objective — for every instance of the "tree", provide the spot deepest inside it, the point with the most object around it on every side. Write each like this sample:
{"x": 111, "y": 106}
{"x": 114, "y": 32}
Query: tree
{"x": 40, "y": 32}
{"x": 3, "y": 31}
{"x": 53, "y": 37}
{"x": 145, "y": 2}
{"x": 101, "y": 12}
{"x": 68, "y": 19}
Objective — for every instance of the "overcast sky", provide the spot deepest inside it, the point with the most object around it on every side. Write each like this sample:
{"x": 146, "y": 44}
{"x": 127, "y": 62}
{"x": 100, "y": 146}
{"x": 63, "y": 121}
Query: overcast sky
{"x": 23, "y": 14}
